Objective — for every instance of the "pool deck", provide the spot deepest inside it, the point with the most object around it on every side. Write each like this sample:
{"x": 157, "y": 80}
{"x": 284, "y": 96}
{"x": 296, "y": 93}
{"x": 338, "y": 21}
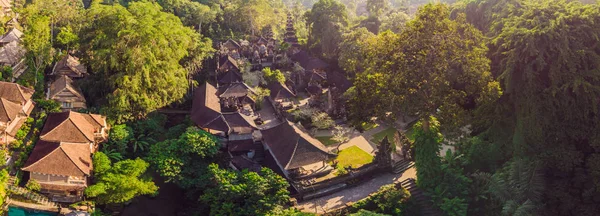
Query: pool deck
{"x": 34, "y": 206}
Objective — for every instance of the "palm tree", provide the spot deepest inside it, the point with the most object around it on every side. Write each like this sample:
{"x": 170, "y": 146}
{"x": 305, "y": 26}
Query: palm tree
{"x": 518, "y": 187}
{"x": 141, "y": 142}
{"x": 112, "y": 154}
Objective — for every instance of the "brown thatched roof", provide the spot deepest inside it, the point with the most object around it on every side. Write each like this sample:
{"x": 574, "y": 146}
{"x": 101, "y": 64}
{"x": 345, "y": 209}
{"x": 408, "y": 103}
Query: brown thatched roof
{"x": 72, "y": 64}
{"x": 60, "y": 158}
{"x": 292, "y": 147}
{"x": 72, "y": 127}
{"x": 239, "y": 123}
{"x": 15, "y": 92}
{"x": 62, "y": 83}
{"x": 206, "y": 109}
{"x": 12, "y": 53}
{"x": 280, "y": 91}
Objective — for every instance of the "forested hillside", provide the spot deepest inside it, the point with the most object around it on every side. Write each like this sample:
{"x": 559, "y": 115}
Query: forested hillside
{"x": 510, "y": 87}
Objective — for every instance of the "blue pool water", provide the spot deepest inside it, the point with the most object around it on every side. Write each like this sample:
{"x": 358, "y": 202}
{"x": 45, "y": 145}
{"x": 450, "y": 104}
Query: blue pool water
{"x": 16, "y": 211}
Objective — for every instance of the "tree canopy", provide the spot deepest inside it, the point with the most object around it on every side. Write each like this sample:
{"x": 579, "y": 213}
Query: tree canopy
{"x": 119, "y": 182}
{"x": 136, "y": 55}
{"x": 245, "y": 192}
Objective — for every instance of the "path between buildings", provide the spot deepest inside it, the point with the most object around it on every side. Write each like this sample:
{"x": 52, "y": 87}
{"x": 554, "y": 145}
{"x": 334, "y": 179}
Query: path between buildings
{"x": 350, "y": 195}
{"x": 361, "y": 140}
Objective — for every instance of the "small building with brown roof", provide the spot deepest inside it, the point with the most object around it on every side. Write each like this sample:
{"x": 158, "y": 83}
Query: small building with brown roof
{"x": 75, "y": 127}
{"x": 15, "y": 107}
{"x": 64, "y": 91}
{"x": 227, "y": 63}
{"x": 62, "y": 159}
{"x": 294, "y": 151}
{"x": 69, "y": 66}
{"x": 206, "y": 111}
{"x": 280, "y": 92}
{"x": 12, "y": 53}
{"x": 61, "y": 168}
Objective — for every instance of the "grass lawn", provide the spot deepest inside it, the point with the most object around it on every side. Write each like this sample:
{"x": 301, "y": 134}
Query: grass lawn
{"x": 326, "y": 140}
{"x": 387, "y": 132}
{"x": 353, "y": 156}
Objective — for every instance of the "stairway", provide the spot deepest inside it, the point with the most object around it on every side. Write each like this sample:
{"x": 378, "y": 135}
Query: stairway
{"x": 424, "y": 201}
{"x": 401, "y": 166}
{"x": 259, "y": 153}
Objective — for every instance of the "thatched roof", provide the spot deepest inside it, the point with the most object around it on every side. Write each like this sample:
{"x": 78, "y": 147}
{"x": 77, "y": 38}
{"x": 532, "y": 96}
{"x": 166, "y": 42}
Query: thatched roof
{"x": 60, "y": 158}
{"x": 292, "y": 147}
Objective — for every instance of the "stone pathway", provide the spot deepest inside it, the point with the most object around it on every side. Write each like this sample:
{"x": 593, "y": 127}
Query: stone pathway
{"x": 350, "y": 195}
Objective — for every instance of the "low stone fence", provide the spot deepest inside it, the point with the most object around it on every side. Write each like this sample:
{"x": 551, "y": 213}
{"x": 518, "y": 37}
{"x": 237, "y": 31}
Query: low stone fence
{"x": 350, "y": 179}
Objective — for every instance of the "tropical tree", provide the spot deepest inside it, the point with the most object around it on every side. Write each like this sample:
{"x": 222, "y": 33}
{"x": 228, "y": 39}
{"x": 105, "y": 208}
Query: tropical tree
{"x": 245, "y": 192}
{"x": 136, "y": 56}
{"x": 394, "y": 21}
{"x": 327, "y": 20}
{"x": 443, "y": 71}
{"x": 184, "y": 160}
{"x": 119, "y": 182}
{"x": 354, "y": 50}
{"x": 273, "y": 76}
{"x": 322, "y": 120}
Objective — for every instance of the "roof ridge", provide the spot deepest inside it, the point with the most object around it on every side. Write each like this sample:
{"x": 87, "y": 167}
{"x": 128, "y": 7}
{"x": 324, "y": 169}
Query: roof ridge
{"x": 51, "y": 130}
{"x": 2, "y": 101}
{"x": 295, "y": 148}
{"x": 60, "y": 145}
{"x": 77, "y": 126}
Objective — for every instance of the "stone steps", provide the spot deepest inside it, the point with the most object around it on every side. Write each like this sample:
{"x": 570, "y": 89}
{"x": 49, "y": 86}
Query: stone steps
{"x": 424, "y": 201}
{"x": 402, "y": 166}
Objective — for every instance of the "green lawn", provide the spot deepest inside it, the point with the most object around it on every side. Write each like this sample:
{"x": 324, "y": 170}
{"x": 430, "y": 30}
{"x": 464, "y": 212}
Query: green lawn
{"x": 353, "y": 156}
{"x": 326, "y": 140}
{"x": 387, "y": 132}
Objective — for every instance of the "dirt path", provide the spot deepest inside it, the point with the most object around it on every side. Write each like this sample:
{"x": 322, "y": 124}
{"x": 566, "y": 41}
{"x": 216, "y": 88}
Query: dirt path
{"x": 350, "y": 195}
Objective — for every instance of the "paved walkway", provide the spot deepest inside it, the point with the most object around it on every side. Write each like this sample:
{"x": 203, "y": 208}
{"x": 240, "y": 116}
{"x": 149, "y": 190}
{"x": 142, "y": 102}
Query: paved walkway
{"x": 350, "y": 195}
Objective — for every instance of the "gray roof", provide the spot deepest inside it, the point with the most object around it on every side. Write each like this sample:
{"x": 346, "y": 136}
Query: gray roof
{"x": 292, "y": 147}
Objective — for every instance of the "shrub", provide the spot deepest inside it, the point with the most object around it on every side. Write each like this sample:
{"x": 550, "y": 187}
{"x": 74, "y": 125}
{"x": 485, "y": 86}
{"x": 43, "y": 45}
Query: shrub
{"x": 387, "y": 200}
{"x": 33, "y": 185}
{"x": 322, "y": 121}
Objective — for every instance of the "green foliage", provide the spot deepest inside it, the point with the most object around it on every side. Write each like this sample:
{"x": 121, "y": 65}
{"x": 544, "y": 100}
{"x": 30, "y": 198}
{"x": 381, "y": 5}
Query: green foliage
{"x": 36, "y": 41}
{"x": 137, "y": 53}
{"x": 377, "y": 7}
{"x": 118, "y": 139}
{"x": 101, "y": 163}
{"x": 3, "y": 182}
{"x": 67, "y": 38}
{"x": 394, "y": 22}
{"x": 6, "y": 73}
{"x": 353, "y": 50}
{"x": 322, "y": 121}
{"x": 260, "y": 95}
{"x": 363, "y": 212}
{"x": 49, "y": 106}
{"x": 442, "y": 71}
{"x": 388, "y": 200}
{"x": 184, "y": 160}
{"x": 33, "y": 185}
{"x": 327, "y": 20}
{"x": 120, "y": 182}
{"x": 303, "y": 114}
{"x": 245, "y": 192}
{"x": 427, "y": 161}
{"x": 273, "y": 76}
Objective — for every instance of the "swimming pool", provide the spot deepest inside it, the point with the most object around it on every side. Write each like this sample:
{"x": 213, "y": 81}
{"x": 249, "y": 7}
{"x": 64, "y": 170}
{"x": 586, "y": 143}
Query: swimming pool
{"x": 16, "y": 211}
